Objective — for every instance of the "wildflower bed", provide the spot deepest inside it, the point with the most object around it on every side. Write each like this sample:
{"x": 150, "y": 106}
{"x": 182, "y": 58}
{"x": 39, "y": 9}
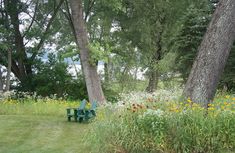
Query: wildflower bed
{"x": 153, "y": 125}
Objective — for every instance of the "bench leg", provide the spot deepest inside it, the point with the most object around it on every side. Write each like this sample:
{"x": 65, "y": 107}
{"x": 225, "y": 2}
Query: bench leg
{"x": 75, "y": 115}
{"x": 80, "y": 119}
{"x": 75, "y": 118}
{"x": 68, "y": 114}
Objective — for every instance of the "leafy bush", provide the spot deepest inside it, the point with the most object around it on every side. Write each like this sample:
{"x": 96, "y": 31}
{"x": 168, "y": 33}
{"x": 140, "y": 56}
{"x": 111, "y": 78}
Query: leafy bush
{"x": 111, "y": 94}
{"x": 53, "y": 78}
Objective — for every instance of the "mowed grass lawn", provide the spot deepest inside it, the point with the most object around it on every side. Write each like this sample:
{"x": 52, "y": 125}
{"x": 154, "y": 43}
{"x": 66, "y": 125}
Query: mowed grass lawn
{"x": 30, "y": 133}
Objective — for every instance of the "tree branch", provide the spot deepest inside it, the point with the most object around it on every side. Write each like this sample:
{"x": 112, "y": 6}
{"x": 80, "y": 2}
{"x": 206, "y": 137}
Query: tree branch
{"x": 33, "y": 19}
{"x": 45, "y": 33}
{"x": 69, "y": 18}
{"x": 88, "y": 11}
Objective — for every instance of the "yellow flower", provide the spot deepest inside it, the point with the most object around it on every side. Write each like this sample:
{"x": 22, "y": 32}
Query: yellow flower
{"x": 227, "y": 96}
{"x": 233, "y": 98}
{"x": 210, "y": 105}
{"x": 211, "y": 108}
{"x": 189, "y": 100}
{"x": 187, "y": 105}
{"x": 88, "y": 105}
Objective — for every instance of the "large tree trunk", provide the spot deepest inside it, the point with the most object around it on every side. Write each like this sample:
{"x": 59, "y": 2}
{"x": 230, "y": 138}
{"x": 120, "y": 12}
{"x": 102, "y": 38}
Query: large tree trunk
{"x": 93, "y": 84}
{"x": 19, "y": 43}
{"x": 153, "y": 71}
{"x": 212, "y": 56}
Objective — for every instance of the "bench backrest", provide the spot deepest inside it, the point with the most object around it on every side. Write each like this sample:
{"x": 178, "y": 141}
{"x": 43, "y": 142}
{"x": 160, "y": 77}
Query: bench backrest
{"x": 82, "y": 105}
{"x": 93, "y": 105}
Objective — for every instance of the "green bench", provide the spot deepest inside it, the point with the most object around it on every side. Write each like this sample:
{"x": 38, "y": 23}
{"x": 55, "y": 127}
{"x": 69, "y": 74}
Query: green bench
{"x": 73, "y": 112}
{"x": 81, "y": 113}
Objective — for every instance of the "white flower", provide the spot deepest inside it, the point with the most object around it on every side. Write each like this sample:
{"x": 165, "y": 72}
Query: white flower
{"x": 151, "y": 112}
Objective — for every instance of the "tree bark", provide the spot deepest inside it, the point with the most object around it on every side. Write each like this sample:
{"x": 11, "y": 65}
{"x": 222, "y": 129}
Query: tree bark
{"x": 153, "y": 81}
{"x": 212, "y": 56}
{"x": 93, "y": 84}
{"x": 9, "y": 58}
{"x": 153, "y": 72}
{"x": 19, "y": 43}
